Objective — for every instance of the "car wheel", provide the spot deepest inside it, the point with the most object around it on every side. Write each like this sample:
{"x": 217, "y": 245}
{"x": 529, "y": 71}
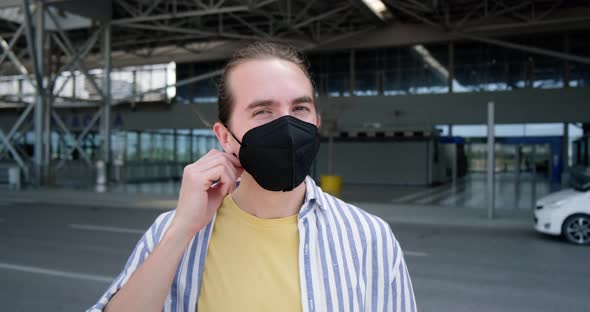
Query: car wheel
{"x": 576, "y": 229}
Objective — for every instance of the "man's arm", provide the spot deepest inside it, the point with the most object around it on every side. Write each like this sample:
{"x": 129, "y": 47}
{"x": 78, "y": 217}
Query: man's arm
{"x": 402, "y": 292}
{"x": 144, "y": 285}
{"x": 140, "y": 254}
{"x": 149, "y": 285}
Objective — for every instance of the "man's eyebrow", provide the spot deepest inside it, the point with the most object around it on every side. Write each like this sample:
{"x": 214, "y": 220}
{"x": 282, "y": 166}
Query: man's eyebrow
{"x": 259, "y": 103}
{"x": 303, "y": 99}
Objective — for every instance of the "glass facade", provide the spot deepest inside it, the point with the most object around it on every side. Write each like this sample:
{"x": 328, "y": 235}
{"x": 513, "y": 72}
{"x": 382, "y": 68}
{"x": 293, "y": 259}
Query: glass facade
{"x": 161, "y": 145}
{"x": 422, "y": 69}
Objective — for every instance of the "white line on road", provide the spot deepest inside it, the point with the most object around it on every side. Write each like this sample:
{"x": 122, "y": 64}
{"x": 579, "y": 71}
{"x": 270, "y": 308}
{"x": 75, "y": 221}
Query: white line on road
{"x": 416, "y": 253}
{"x": 36, "y": 270}
{"x": 88, "y": 227}
{"x": 410, "y": 197}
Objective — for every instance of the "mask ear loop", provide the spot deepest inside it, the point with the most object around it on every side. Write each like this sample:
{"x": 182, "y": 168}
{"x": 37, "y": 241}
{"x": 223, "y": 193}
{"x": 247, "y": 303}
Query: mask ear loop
{"x": 232, "y": 134}
{"x": 235, "y": 138}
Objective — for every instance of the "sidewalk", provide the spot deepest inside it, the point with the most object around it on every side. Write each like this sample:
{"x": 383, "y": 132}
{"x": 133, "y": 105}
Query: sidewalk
{"x": 450, "y": 216}
{"x": 88, "y": 198}
{"x": 393, "y": 213}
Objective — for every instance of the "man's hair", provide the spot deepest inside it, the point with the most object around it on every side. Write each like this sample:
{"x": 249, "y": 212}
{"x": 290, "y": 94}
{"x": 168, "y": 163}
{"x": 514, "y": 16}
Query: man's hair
{"x": 256, "y": 51}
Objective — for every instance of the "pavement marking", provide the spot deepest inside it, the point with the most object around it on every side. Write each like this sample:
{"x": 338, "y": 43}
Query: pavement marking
{"x": 452, "y": 191}
{"x": 100, "y": 228}
{"x": 415, "y": 253}
{"x": 37, "y": 270}
{"x": 412, "y": 196}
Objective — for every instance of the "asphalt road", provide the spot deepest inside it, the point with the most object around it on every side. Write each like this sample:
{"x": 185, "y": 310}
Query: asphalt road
{"x": 63, "y": 258}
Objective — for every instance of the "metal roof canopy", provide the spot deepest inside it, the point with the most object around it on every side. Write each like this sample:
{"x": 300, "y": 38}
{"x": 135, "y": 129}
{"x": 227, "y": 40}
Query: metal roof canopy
{"x": 71, "y": 14}
{"x": 159, "y": 31}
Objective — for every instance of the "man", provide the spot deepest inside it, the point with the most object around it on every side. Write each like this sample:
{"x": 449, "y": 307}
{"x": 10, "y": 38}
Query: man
{"x": 275, "y": 241}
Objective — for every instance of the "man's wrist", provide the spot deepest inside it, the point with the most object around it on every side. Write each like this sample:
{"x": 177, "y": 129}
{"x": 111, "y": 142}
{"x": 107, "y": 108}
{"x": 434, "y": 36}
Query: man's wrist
{"x": 178, "y": 235}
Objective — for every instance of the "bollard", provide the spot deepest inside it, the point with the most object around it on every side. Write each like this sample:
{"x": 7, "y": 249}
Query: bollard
{"x": 14, "y": 178}
{"x": 101, "y": 178}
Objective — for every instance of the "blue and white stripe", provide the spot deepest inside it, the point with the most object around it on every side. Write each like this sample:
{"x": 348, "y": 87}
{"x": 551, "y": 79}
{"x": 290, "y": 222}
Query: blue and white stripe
{"x": 350, "y": 260}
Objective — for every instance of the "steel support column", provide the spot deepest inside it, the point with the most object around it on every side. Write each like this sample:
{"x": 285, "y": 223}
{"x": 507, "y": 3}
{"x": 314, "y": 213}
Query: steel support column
{"x": 491, "y": 163}
{"x": 352, "y": 72}
{"x": 451, "y": 68}
{"x": 47, "y": 107}
{"x": 566, "y": 63}
{"x": 107, "y": 98}
{"x": 39, "y": 116}
{"x": 175, "y": 145}
{"x": 190, "y": 147}
{"x": 566, "y": 144}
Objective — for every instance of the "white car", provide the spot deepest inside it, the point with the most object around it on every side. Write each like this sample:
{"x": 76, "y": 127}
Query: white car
{"x": 566, "y": 213}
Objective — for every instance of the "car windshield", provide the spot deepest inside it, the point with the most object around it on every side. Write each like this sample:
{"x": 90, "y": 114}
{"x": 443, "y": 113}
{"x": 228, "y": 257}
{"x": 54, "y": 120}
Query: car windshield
{"x": 580, "y": 178}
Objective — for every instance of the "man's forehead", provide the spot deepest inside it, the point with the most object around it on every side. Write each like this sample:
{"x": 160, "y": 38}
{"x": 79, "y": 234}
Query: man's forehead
{"x": 262, "y": 78}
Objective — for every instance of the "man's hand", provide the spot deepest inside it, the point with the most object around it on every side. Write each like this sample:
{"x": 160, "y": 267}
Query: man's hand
{"x": 204, "y": 185}
{"x": 149, "y": 285}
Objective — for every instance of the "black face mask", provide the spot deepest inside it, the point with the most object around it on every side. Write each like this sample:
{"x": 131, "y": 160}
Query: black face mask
{"x": 279, "y": 154}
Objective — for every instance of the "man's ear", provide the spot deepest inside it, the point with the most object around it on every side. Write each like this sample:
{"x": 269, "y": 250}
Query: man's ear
{"x": 223, "y": 136}
{"x": 319, "y": 121}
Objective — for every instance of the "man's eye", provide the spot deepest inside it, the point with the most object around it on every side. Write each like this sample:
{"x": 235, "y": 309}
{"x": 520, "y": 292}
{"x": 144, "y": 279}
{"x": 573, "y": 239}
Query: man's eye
{"x": 301, "y": 108}
{"x": 260, "y": 112}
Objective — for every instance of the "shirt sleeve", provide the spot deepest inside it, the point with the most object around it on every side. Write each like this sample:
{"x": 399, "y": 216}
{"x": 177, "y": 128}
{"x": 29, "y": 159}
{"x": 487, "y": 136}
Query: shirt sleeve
{"x": 142, "y": 249}
{"x": 401, "y": 287}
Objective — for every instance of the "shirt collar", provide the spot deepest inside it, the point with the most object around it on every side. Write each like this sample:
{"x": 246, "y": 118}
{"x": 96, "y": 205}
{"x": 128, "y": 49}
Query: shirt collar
{"x": 312, "y": 192}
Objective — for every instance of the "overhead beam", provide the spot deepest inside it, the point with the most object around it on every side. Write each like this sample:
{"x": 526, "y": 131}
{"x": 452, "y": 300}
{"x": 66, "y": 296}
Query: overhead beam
{"x": 195, "y": 13}
{"x": 321, "y": 16}
{"x": 213, "y": 34}
{"x": 522, "y": 47}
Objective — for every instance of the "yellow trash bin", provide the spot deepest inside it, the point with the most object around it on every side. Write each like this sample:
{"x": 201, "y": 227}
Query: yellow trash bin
{"x": 331, "y": 184}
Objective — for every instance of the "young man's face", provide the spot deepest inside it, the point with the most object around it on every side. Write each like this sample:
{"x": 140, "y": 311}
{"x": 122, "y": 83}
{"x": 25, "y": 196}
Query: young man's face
{"x": 264, "y": 90}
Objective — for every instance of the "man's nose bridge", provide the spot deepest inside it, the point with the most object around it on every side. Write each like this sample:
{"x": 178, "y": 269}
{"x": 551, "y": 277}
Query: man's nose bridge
{"x": 284, "y": 110}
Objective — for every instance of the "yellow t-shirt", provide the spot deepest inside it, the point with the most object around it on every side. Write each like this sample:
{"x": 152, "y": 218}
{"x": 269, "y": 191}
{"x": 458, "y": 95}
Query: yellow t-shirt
{"x": 252, "y": 264}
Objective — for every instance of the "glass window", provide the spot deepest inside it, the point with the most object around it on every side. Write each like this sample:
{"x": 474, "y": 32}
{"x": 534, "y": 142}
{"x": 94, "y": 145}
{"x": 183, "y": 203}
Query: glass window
{"x": 146, "y": 146}
{"x": 131, "y": 146}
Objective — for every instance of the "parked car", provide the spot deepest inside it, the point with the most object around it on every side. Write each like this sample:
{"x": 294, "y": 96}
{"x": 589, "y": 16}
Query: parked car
{"x": 567, "y": 212}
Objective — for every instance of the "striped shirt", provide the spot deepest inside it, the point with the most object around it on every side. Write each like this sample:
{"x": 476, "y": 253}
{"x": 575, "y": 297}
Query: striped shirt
{"x": 349, "y": 260}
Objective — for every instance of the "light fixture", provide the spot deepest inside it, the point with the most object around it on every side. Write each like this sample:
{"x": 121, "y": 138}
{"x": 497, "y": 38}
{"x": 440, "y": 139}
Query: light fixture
{"x": 431, "y": 61}
{"x": 378, "y": 8}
